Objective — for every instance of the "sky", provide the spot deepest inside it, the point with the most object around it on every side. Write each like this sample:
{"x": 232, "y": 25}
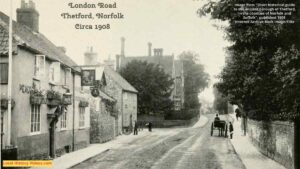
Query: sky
{"x": 169, "y": 24}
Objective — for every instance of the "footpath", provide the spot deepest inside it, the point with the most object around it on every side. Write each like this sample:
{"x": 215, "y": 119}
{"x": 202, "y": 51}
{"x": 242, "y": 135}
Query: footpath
{"x": 249, "y": 154}
{"x": 76, "y": 157}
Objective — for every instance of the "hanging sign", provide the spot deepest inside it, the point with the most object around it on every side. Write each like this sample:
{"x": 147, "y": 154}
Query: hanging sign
{"x": 88, "y": 77}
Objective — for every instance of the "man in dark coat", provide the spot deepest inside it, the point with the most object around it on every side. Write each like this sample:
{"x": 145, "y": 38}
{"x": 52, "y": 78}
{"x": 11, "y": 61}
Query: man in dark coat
{"x": 230, "y": 130}
{"x": 135, "y": 129}
{"x": 150, "y": 126}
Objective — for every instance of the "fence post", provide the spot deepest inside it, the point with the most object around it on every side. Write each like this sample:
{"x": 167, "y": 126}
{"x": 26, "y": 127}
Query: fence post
{"x": 297, "y": 144}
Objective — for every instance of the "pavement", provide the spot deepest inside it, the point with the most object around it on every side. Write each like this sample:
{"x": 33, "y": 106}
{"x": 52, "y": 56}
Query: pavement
{"x": 248, "y": 153}
{"x": 71, "y": 159}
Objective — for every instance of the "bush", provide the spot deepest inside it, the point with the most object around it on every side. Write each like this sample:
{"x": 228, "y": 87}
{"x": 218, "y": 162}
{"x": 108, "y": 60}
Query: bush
{"x": 182, "y": 115}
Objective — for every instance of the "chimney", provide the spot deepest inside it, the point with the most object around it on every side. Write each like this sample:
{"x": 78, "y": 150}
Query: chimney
{"x": 90, "y": 57}
{"x": 117, "y": 63}
{"x": 158, "y": 52}
{"x": 27, "y": 15}
{"x": 149, "y": 49}
{"x": 122, "y": 47}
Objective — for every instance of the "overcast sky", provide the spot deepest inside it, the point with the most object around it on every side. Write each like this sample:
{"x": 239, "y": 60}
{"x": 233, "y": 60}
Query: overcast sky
{"x": 169, "y": 24}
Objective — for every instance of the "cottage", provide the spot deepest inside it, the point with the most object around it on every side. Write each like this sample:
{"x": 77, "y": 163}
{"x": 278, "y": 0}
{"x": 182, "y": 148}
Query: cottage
{"x": 49, "y": 117}
{"x": 118, "y": 88}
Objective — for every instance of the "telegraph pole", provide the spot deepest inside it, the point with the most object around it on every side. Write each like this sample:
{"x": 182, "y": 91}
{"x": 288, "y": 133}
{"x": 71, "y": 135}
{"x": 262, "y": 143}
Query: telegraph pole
{"x": 9, "y": 85}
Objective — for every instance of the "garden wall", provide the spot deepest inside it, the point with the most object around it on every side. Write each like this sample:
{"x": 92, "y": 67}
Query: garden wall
{"x": 158, "y": 121}
{"x": 274, "y": 139}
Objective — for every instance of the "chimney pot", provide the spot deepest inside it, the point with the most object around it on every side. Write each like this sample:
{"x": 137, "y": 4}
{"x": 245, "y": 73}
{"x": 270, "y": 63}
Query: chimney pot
{"x": 149, "y": 49}
{"x": 158, "y": 52}
{"x": 90, "y": 57}
{"x": 122, "y": 46}
{"x": 28, "y": 16}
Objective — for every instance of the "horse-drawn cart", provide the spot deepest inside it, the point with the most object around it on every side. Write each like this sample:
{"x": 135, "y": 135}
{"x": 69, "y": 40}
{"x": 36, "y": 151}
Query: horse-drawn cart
{"x": 219, "y": 125}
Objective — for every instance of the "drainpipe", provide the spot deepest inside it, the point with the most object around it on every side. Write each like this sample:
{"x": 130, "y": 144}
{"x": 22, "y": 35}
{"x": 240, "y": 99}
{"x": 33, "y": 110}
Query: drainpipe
{"x": 73, "y": 117}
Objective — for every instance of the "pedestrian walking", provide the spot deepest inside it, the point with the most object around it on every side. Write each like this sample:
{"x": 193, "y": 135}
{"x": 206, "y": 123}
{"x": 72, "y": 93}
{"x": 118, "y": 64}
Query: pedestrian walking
{"x": 230, "y": 130}
{"x": 150, "y": 126}
{"x": 237, "y": 114}
{"x": 135, "y": 129}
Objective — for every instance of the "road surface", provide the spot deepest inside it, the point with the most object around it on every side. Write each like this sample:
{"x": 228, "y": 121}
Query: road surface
{"x": 175, "y": 148}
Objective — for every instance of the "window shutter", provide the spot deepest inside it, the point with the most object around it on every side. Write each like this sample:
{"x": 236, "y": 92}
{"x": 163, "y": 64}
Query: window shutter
{"x": 68, "y": 76}
{"x": 4, "y": 73}
{"x": 99, "y": 73}
{"x": 36, "y": 66}
{"x": 51, "y": 73}
{"x": 39, "y": 69}
{"x": 56, "y": 67}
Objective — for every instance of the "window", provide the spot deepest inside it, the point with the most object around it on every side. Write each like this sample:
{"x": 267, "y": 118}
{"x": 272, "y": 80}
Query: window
{"x": 63, "y": 120}
{"x": 81, "y": 116}
{"x": 54, "y": 72}
{"x": 35, "y": 118}
{"x": 39, "y": 67}
{"x": 68, "y": 75}
{"x": 3, "y": 73}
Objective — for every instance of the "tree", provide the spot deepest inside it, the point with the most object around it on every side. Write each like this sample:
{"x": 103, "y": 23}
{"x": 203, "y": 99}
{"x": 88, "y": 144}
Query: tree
{"x": 153, "y": 84}
{"x": 195, "y": 79}
{"x": 221, "y": 103}
{"x": 259, "y": 75}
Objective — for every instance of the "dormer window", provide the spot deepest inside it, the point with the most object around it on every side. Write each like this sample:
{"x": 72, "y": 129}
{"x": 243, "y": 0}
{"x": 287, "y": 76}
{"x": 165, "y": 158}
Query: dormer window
{"x": 39, "y": 66}
{"x": 54, "y": 73}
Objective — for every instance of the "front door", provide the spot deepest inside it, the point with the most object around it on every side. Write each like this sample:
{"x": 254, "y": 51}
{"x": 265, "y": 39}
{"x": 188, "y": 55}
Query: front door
{"x": 3, "y": 128}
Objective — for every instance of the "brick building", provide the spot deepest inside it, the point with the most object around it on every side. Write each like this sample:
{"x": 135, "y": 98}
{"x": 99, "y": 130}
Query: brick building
{"x": 118, "y": 88}
{"x": 41, "y": 126}
{"x": 171, "y": 66}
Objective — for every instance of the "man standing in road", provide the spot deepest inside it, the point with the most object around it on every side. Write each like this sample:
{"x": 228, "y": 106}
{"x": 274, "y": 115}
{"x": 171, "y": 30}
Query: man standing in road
{"x": 150, "y": 126}
{"x": 135, "y": 130}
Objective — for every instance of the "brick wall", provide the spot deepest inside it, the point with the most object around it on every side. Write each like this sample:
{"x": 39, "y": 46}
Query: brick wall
{"x": 115, "y": 91}
{"x": 274, "y": 139}
{"x": 33, "y": 147}
{"x": 129, "y": 108}
{"x": 102, "y": 124}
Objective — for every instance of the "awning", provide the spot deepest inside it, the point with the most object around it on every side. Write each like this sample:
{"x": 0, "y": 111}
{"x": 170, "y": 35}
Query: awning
{"x": 105, "y": 96}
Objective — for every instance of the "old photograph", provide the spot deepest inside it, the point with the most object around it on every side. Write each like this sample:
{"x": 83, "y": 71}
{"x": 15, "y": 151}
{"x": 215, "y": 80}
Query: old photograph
{"x": 140, "y": 84}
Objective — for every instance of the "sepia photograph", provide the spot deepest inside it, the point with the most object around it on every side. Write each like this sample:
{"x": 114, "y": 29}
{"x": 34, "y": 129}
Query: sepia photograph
{"x": 160, "y": 84}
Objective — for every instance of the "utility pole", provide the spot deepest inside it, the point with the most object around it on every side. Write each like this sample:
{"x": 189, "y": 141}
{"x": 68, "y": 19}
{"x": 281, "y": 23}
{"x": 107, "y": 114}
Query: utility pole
{"x": 9, "y": 85}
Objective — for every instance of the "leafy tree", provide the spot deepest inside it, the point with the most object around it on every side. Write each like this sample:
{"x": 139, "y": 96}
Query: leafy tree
{"x": 221, "y": 103}
{"x": 153, "y": 84}
{"x": 195, "y": 79}
{"x": 256, "y": 76}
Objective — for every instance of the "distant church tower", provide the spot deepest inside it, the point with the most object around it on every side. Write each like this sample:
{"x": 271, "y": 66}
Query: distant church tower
{"x": 90, "y": 57}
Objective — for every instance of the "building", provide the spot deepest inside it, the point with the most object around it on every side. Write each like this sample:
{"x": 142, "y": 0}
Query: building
{"x": 46, "y": 121}
{"x": 171, "y": 66}
{"x": 119, "y": 89}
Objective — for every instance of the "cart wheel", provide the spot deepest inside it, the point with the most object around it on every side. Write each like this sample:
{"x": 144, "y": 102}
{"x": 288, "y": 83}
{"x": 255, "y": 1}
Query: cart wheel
{"x": 212, "y": 129}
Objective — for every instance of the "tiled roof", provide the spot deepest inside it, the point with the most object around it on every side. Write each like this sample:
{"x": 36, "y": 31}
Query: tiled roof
{"x": 165, "y": 61}
{"x": 25, "y": 37}
{"x": 3, "y": 41}
{"x": 119, "y": 79}
{"x": 103, "y": 95}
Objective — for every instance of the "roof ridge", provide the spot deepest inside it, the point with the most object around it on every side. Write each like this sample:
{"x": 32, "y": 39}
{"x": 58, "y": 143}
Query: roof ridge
{"x": 37, "y": 41}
